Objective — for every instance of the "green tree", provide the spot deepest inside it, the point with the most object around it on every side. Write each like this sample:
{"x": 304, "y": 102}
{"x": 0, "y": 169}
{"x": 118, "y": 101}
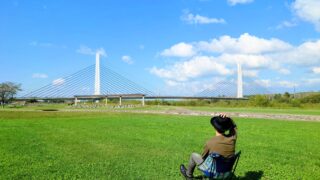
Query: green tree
{"x": 7, "y": 91}
{"x": 286, "y": 95}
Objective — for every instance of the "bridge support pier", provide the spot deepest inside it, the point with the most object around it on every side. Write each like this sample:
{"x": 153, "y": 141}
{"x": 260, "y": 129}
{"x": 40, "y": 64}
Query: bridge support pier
{"x": 142, "y": 101}
{"x": 106, "y": 101}
{"x": 120, "y": 99}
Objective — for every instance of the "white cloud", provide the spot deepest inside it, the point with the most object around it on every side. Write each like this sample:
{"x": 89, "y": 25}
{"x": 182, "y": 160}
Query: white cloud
{"x": 254, "y": 61}
{"x": 247, "y": 49}
{"x": 245, "y": 44}
{"x": 197, "y": 19}
{"x": 252, "y": 51}
{"x": 316, "y": 70}
{"x": 196, "y": 67}
{"x": 58, "y": 82}
{"x": 127, "y": 59}
{"x": 179, "y": 50}
{"x": 219, "y": 57}
{"x": 308, "y": 10}
{"x": 39, "y": 75}
{"x": 306, "y": 54}
{"x": 234, "y": 2}
{"x": 88, "y": 51}
{"x": 286, "y": 24}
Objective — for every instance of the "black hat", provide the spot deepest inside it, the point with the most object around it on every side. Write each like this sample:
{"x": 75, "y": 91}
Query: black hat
{"x": 222, "y": 124}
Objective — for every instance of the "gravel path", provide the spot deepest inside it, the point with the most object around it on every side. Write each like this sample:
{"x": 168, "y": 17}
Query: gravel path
{"x": 289, "y": 117}
{"x": 188, "y": 112}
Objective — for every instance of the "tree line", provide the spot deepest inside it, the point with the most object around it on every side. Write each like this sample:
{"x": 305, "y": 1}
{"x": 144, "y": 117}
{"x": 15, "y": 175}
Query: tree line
{"x": 271, "y": 100}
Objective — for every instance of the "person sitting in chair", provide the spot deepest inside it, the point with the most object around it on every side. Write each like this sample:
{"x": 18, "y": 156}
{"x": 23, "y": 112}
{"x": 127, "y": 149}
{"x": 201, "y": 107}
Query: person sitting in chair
{"x": 223, "y": 143}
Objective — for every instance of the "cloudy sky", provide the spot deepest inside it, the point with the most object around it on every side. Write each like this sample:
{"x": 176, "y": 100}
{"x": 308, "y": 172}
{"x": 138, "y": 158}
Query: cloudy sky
{"x": 169, "y": 47}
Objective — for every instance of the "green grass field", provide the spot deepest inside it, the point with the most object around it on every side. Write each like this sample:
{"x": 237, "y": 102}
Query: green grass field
{"x": 70, "y": 145}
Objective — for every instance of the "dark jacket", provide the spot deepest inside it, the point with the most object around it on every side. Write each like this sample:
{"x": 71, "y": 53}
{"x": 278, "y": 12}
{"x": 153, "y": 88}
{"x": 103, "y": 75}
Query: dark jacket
{"x": 223, "y": 145}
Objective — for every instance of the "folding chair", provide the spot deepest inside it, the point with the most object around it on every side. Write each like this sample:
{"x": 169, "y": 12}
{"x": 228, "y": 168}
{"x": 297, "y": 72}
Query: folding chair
{"x": 216, "y": 166}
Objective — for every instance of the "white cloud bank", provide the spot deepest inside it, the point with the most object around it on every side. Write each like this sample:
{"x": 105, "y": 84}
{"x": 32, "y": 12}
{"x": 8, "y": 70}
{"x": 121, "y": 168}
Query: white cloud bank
{"x": 198, "y": 19}
{"x": 245, "y": 44}
{"x": 219, "y": 57}
{"x": 308, "y": 10}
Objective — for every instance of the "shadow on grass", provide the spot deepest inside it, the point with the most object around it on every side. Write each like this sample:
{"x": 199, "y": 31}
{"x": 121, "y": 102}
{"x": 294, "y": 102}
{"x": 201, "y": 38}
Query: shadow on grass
{"x": 253, "y": 175}
{"x": 250, "y": 175}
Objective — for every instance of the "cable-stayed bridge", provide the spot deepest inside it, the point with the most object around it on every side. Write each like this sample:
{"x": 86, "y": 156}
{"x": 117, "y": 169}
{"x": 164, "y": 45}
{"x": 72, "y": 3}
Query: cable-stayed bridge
{"x": 93, "y": 80}
{"x": 83, "y": 83}
{"x": 100, "y": 82}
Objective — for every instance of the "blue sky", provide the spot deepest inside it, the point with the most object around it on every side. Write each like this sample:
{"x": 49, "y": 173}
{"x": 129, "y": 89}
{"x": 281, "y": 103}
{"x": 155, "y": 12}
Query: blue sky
{"x": 169, "y": 47}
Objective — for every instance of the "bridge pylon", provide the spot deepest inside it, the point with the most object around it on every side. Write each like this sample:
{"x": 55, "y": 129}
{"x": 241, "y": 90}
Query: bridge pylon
{"x": 97, "y": 75}
{"x": 239, "y": 82}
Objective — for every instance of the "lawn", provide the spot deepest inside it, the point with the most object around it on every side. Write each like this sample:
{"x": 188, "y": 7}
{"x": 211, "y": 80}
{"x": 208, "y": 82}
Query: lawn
{"x": 69, "y": 145}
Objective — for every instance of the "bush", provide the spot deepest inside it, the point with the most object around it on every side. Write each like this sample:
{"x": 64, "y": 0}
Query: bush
{"x": 295, "y": 103}
{"x": 314, "y": 98}
{"x": 285, "y": 100}
{"x": 259, "y": 100}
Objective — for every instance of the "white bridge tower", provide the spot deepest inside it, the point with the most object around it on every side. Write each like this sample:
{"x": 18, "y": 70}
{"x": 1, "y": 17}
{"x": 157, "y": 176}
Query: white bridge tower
{"x": 97, "y": 75}
{"x": 240, "y": 85}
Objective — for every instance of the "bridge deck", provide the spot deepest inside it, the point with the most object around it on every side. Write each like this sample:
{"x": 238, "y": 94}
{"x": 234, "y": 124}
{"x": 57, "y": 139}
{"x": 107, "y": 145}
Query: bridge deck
{"x": 134, "y": 96}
